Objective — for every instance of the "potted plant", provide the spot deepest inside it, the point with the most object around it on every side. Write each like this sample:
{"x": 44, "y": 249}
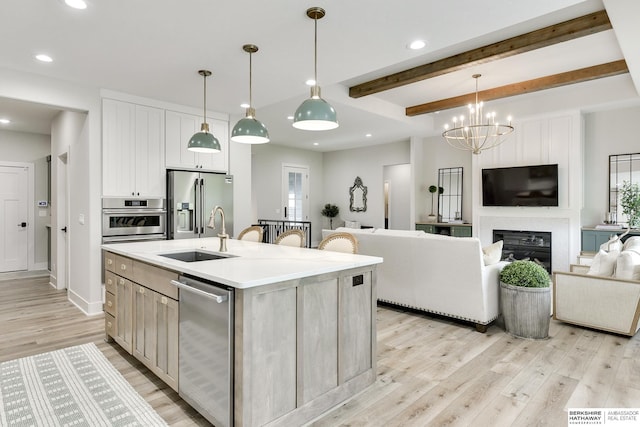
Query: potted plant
{"x": 330, "y": 211}
{"x": 433, "y": 189}
{"x": 630, "y": 203}
{"x": 525, "y": 299}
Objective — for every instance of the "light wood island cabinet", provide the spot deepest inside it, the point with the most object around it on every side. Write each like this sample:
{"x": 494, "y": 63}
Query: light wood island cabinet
{"x": 145, "y": 314}
{"x": 300, "y": 345}
{"x": 303, "y": 346}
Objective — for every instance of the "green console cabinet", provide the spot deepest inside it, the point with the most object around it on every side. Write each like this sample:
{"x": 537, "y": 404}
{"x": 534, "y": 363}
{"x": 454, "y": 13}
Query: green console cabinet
{"x": 448, "y": 229}
{"x": 592, "y": 238}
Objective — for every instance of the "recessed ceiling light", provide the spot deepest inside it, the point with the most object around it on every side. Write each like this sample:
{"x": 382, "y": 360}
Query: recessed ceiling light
{"x": 417, "y": 44}
{"x": 5, "y": 121}
{"x": 310, "y": 82}
{"x": 289, "y": 117}
{"x": 316, "y": 143}
{"x": 368, "y": 135}
{"x": 76, "y": 4}
{"x": 245, "y": 105}
{"x": 44, "y": 58}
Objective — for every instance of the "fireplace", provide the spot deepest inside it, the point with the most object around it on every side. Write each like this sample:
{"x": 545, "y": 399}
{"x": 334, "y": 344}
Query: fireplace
{"x": 532, "y": 245}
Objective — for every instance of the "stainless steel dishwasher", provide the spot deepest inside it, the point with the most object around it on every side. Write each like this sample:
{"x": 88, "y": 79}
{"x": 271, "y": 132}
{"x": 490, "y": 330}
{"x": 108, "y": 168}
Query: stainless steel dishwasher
{"x": 206, "y": 348}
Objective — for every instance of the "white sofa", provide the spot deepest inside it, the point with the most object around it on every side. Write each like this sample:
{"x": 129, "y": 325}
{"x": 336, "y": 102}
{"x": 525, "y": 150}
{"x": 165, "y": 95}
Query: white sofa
{"x": 439, "y": 274}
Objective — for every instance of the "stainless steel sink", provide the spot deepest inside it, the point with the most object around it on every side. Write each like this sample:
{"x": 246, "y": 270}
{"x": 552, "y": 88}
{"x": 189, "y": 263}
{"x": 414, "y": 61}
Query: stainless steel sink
{"x": 194, "y": 255}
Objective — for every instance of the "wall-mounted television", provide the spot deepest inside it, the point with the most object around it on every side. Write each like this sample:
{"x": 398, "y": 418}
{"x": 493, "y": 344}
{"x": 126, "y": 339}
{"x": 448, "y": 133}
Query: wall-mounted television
{"x": 520, "y": 186}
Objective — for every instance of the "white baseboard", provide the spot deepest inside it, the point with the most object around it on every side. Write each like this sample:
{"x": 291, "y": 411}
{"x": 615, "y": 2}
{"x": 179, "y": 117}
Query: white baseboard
{"x": 89, "y": 308}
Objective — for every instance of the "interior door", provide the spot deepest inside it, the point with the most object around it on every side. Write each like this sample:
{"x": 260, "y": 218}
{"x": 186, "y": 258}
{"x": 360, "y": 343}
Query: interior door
{"x": 295, "y": 192}
{"x": 13, "y": 218}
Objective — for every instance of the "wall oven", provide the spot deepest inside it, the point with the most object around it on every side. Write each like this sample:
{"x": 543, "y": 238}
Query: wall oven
{"x": 133, "y": 219}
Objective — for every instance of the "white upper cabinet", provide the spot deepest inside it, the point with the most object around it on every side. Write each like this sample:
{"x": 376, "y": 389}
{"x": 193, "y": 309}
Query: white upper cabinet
{"x": 180, "y": 127}
{"x": 133, "y": 150}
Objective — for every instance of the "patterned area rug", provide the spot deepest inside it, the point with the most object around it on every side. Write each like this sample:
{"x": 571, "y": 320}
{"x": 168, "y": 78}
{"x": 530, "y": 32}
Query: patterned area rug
{"x": 75, "y": 386}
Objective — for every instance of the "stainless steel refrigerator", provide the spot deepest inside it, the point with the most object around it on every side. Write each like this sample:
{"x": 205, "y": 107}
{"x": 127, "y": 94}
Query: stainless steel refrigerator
{"x": 191, "y": 196}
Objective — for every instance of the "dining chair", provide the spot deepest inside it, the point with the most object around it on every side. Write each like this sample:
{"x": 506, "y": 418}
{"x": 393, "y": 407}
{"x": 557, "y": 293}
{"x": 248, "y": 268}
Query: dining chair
{"x": 251, "y": 234}
{"x": 292, "y": 237}
{"x": 340, "y": 242}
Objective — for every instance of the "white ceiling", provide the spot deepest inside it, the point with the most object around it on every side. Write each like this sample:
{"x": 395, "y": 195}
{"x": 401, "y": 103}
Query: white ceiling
{"x": 154, "y": 48}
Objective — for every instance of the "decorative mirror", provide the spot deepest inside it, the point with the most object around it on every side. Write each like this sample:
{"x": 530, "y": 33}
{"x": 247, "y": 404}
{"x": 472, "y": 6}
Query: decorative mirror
{"x": 622, "y": 167}
{"x": 358, "y": 196}
{"x": 450, "y": 200}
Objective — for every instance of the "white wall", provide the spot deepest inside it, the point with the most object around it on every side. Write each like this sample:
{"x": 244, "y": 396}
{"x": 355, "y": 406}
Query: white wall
{"x": 431, "y": 154}
{"x": 240, "y": 168}
{"x": 606, "y": 133}
{"x": 398, "y": 178}
{"x": 32, "y": 148}
{"x": 342, "y": 167}
{"x": 266, "y": 179}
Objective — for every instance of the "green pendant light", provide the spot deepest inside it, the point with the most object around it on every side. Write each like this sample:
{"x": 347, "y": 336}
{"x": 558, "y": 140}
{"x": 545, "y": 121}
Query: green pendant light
{"x": 203, "y": 141}
{"x": 315, "y": 113}
{"x": 250, "y": 130}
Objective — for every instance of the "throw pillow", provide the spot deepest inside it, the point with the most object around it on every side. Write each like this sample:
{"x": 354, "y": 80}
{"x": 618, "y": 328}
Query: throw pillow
{"x": 628, "y": 266}
{"x": 603, "y": 263}
{"x": 492, "y": 253}
{"x": 612, "y": 245}
{"x": 632, "y": 244}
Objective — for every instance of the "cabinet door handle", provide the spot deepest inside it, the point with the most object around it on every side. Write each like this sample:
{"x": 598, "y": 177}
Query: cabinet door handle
{"x": 109, "y": 303}
{"x": 141, "y": 290}
{"x": 109, "y": 325}
{"x": 109, "y": 281}
{"x": 109, "y": 261}
{"x": 122, "y": 281}
{"x": 163, "y": 300}
{"x": 123, "y": 267}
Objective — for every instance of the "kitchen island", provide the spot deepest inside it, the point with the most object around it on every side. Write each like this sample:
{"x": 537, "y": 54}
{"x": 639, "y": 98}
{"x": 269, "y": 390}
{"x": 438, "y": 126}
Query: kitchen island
{"x": 303, "y": 321}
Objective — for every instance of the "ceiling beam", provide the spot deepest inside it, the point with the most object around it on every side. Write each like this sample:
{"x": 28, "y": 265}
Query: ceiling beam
{"x": 556, "y": 80}
{"x": 558, "y": 33}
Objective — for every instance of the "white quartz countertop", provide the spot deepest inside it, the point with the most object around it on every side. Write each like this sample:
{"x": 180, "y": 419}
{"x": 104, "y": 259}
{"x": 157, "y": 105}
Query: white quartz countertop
{"x": 250, "y": 264}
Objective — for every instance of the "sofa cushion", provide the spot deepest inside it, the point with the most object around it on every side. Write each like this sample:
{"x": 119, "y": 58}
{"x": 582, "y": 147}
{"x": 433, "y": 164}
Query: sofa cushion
{"x": 603, "y": 263}
{"x": 628, "y": 265}
{"x": 493, "y": 253}
{"x": 632, "y": 244}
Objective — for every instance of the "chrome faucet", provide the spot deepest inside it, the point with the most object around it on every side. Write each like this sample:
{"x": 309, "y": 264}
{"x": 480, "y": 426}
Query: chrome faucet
{"x": 223, "y": 236}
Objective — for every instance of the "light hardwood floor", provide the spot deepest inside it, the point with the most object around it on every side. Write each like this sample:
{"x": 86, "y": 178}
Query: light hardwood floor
{"x": 431, "y": 371}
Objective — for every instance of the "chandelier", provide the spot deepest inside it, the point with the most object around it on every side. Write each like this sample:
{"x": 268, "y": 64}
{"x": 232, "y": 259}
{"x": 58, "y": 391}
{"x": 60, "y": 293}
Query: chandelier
{"x": 473, "y": 134}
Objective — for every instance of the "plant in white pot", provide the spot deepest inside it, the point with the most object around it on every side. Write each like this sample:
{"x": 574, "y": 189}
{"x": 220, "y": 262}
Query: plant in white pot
{"x": 525, "y": 299}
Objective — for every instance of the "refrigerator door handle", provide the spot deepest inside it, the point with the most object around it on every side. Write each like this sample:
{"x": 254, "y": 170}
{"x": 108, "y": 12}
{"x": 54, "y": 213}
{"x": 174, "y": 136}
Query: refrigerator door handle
{"x": 196, "y": 220}
{"x": 202, "y": 207}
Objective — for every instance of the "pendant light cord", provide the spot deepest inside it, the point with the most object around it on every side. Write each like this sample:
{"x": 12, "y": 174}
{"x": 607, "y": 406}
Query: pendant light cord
{"x": 250, "y": 80}
{"x": 204, "y": 112}
{"x": 315, "y": 52}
